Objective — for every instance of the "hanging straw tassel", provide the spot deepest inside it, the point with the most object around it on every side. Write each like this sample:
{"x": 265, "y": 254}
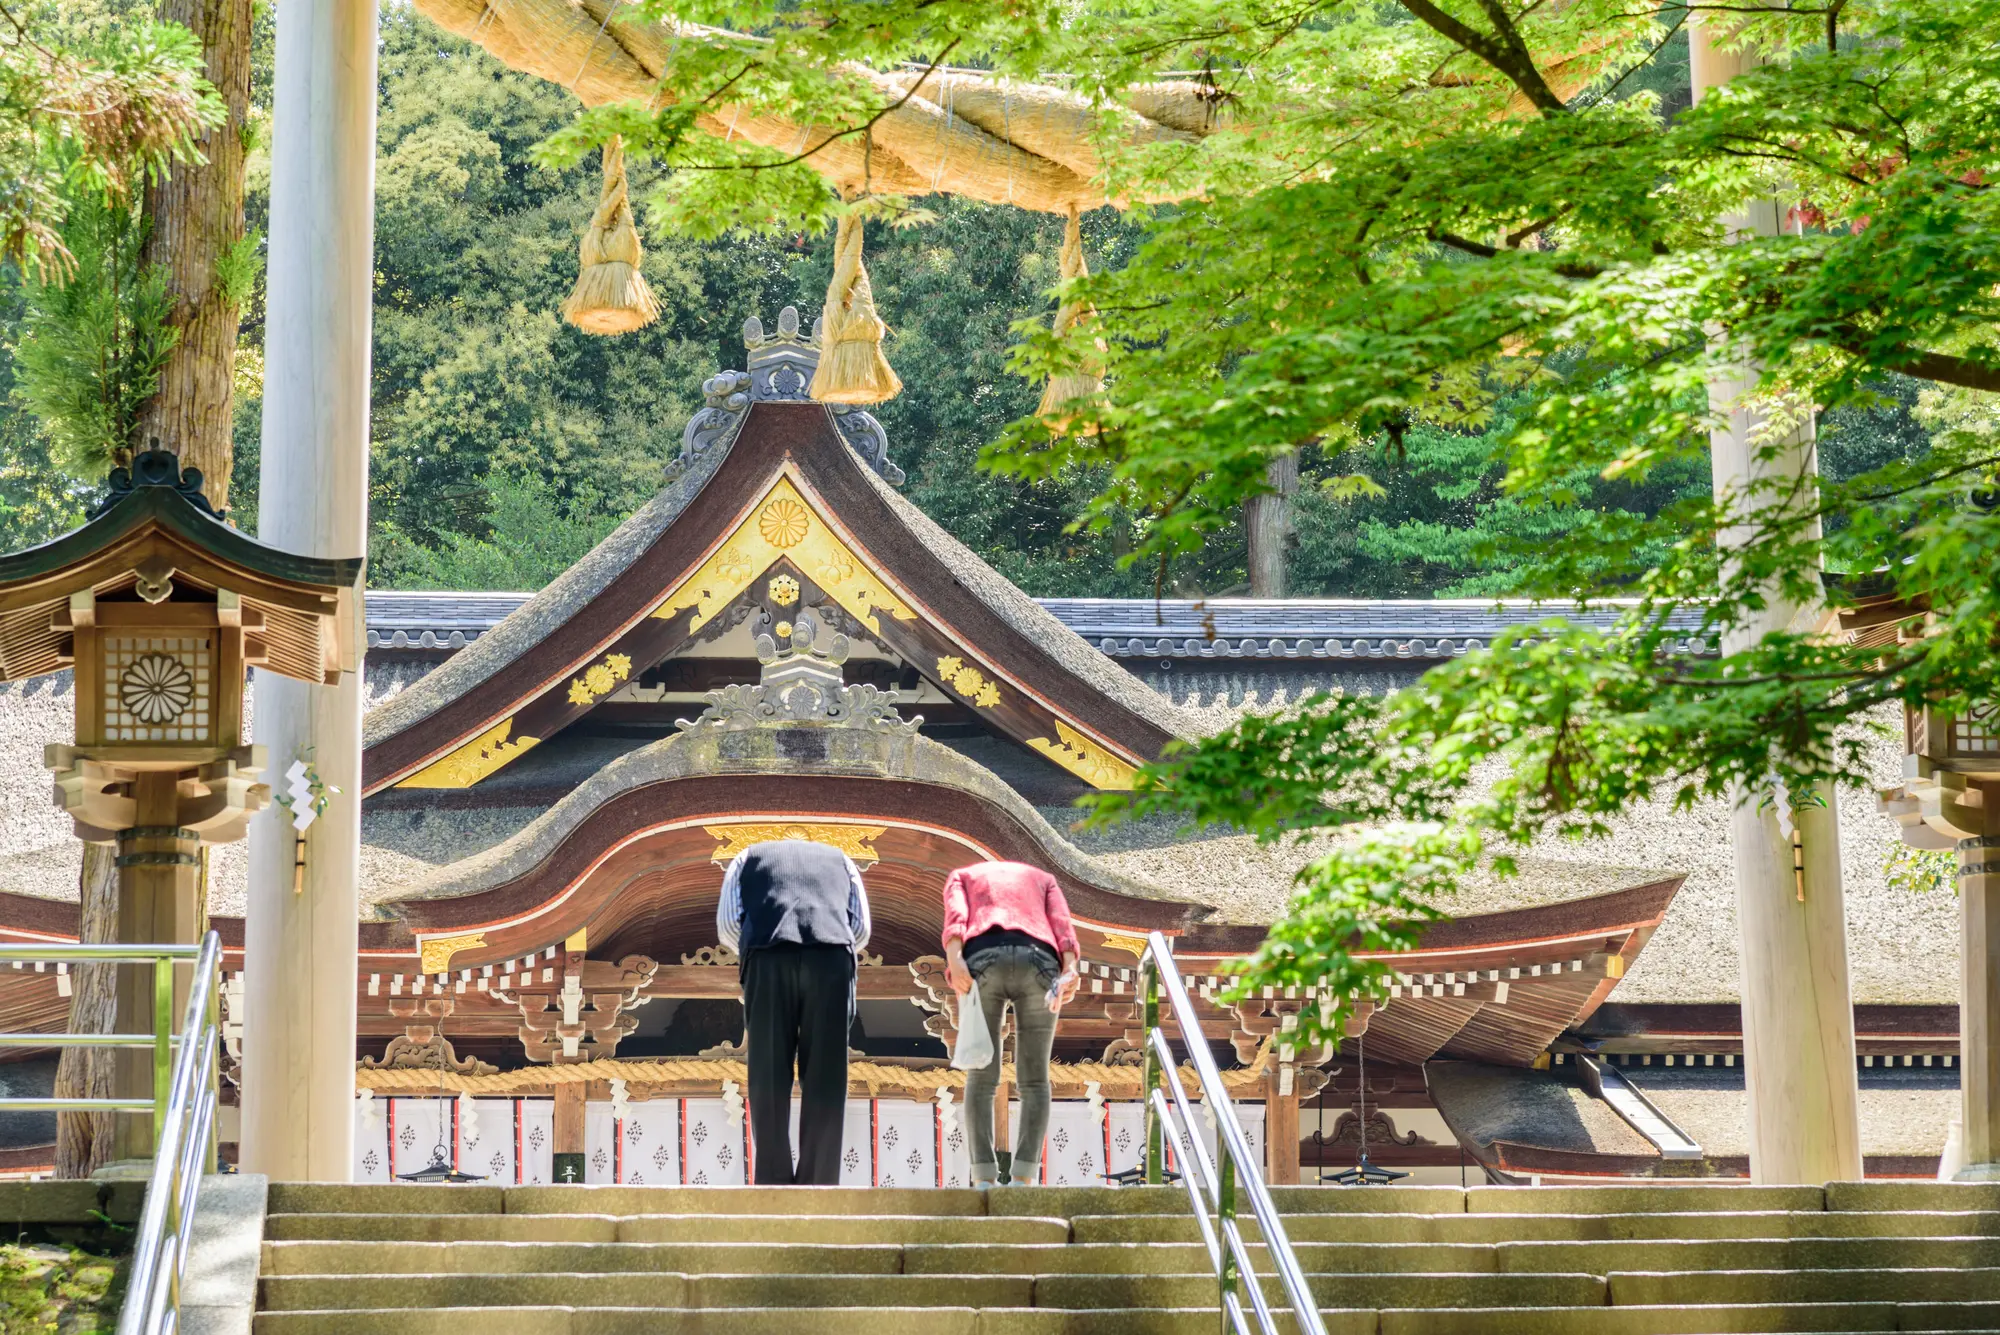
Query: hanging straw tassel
{"x": 1060, "y": 397}
{"x": 852, "y": 368}
{"x": 611, "y": 296}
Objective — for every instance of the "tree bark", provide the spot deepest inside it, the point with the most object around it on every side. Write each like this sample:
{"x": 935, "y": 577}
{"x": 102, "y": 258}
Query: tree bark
{"x": 84, "y": 1140}
{"x": 196, "y": 212}
{"x": 1269, "y": 521}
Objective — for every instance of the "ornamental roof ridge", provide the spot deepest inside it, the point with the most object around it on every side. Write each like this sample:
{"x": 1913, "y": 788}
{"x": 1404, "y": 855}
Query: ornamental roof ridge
{"x": 781, "y": 371}
{"x": 801, "y": 686}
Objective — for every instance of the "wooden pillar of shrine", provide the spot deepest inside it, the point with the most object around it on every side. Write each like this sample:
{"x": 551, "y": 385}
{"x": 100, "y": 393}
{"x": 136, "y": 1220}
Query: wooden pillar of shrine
{"x": 569, "y": 1130}
{"x": 1281, "y": 1124}
{"x": 301, "y": 931}
{"x": 1798, "y": 1013}
{"x": 1979, "y": 1009}
{"x": 159, "y": 886}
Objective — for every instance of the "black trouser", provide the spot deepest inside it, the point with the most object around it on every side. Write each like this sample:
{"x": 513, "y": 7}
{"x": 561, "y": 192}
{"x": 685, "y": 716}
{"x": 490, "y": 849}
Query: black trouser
{"x": 798, "y": 1003}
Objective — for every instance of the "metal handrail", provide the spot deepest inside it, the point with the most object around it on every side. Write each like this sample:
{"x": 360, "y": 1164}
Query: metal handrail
{"x": 1212, "y": 1185}
{"x": 161, "y": 1040}
{"x": 183, "y": 1150}
{"x": 183, "y": 1108}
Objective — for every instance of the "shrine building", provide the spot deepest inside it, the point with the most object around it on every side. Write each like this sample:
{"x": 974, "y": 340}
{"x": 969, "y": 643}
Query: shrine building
{"x": 780, "y": 645}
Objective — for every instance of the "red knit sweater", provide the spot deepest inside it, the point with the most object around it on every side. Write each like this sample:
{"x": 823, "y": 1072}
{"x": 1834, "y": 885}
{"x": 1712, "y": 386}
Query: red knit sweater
{"x": 987, "y": 895}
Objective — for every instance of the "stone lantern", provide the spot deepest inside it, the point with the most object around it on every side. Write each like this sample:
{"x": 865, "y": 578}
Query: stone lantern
{"x": 160, "y": 607}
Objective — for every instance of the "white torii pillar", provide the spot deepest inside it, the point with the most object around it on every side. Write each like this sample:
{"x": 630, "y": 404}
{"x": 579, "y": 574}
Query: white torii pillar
{"x": 1798, "y": 1010}
{"x": 301, "y": 944}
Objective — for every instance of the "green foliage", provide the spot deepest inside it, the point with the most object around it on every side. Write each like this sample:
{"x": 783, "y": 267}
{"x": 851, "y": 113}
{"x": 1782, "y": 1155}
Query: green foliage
{"x": 1921, "y": 870}
{"x": 91, "y": 105}
{"x": 1515, "y": 300}
{"x": 92, "y": 345}
{"x": 46, "y": 1289}
{"x": 534, "y": 538}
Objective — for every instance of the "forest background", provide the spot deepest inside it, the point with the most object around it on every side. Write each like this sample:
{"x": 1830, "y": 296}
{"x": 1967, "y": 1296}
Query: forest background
{"x": 506, "y": 443}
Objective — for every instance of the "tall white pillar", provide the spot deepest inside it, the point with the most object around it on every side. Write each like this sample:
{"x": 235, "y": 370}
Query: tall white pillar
{"x": 298, "y": 1035}
{"x": 1798, "y": 1011}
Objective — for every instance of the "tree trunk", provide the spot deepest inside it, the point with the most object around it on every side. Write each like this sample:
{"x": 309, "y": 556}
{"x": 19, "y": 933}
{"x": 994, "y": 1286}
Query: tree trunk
{"x": 196, "y": 213}
{"x": 84, "y": 1140}
{"x": 1269, "y": 521}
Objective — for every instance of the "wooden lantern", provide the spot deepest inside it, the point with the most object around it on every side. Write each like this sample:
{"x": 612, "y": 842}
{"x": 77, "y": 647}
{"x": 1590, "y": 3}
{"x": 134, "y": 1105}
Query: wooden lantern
{"x": 160, "y": 607}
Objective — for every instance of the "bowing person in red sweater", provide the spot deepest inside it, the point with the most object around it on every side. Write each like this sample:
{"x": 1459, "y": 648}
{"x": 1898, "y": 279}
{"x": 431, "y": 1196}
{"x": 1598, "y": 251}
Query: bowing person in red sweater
{"x": 1006, "y": 926}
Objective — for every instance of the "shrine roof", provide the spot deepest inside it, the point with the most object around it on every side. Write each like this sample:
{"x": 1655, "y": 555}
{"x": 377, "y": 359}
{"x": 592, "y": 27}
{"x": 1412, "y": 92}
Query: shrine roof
{"x": 1143, "y": 628}
{"x": 1527, "y": 1124}
{"x": 698, "y": 557}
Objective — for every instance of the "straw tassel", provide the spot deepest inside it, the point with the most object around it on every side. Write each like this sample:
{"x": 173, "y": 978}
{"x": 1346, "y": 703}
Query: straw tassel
{"x": 852, "y": 368}
{"x": 611, "y": 296}
{"x": 1060, "y": 397}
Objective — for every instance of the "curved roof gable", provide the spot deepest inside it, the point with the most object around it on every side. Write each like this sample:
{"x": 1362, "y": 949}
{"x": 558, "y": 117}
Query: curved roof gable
{"x": 787, "y": 495}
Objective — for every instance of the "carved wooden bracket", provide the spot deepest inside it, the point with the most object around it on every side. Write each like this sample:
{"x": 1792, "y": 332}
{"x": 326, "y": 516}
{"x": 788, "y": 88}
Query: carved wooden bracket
{"x": 591, "y": 1012}
{"x": 939, "y": 1003}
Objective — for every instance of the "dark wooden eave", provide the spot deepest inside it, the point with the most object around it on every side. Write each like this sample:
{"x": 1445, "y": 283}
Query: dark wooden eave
{"x": 160, "y": 521}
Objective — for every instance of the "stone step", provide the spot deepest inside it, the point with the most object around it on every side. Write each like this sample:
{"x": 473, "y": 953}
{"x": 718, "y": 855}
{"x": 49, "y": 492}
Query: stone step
{"x": 1495, "y": 1228}
{"x": 1913, "y": 1195}
{"x": 1697, "y": 1319}
{"x": 524, "y": 1258}
{"x": 596, "y": 1289}
{"x": 1170, "y": 1258}
{"x": 1333, "y": 1291}
{"x": 1677, "y": 1319}
{"x": 1810, "y": 1256}
{"x": 1649, "y": 1198}
{"x": 1937, "y": 1285}
{"x": 600, "y": 1320}
{"x": 785, "y": 1228}
{"x": 1652, "y": 1198}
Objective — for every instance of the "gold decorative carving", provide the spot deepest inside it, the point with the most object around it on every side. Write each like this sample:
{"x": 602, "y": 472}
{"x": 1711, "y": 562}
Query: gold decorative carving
{"x": 1085, "y": 758}
{"x": 711, "y": 955}
{"x": 1132, "y": 945}
{"x": 600, "y": 679}
{"x": 473, "y": 761}
{"x": 784, "y": 523}
{"x": 857, "y": 841}
{"x": 966, "y": 679}
{"x": 423, "y": 1048}
{"x": 435, "y": 954}
{"x": 784, "y": 590}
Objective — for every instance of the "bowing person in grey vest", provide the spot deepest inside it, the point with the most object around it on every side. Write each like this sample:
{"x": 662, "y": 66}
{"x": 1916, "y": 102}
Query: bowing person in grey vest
{"x": 795, "y": 912}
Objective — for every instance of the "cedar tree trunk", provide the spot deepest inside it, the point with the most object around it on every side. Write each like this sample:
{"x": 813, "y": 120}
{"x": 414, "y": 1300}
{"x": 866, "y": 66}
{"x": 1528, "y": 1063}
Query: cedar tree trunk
{"x": 84, "y": 1140}
{"x": 196, "y": 213}
{"x": 1269, "y": 521}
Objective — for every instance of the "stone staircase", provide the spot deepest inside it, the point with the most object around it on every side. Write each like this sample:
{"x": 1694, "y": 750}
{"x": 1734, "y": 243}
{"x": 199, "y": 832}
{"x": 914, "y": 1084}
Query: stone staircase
{"x": 1625, "y": 1260}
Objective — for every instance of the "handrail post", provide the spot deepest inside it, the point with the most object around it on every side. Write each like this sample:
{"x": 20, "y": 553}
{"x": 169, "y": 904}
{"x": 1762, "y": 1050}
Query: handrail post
{"x": 212, "y": 1077}
{"x": 1155, "y": 1150}
{"x": 1225, "y": 1212}
{"x": 163, "y": 1030}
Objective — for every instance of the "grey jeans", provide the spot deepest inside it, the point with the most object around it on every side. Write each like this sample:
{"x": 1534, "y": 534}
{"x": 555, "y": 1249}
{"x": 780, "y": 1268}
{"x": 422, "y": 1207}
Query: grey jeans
{"x": 1017, "y": 976}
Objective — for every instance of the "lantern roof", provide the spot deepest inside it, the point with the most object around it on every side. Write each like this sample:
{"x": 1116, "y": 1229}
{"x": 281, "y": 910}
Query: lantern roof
{"x": 155, "y": 538}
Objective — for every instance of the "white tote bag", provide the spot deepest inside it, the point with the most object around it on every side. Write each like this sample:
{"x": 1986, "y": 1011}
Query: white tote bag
{"x": 975, "y": 1042}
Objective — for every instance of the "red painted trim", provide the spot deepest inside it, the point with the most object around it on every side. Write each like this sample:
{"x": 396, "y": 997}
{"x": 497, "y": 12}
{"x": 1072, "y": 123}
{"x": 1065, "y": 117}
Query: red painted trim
{"x": 455, "y": 1136}
{"x": 874, "y": 1141}
{"x": 617, "y": 1150}
{"x": 518, "y": 1167}
{"x": 684, "y": 1142}
{"x": 392, "y": 1138}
